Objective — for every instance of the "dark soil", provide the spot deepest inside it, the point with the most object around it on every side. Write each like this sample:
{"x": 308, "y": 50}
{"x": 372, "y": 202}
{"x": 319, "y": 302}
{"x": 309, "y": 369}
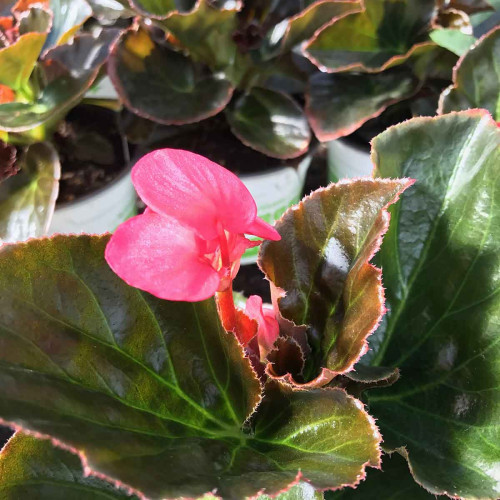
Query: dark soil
{"x": 211, "y": 138}
{"x": 92, "y": 151}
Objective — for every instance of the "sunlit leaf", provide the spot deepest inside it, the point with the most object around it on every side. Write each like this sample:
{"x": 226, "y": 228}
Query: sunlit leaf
{"x": 27, "y": 199}
{"x": 442, "y": 277}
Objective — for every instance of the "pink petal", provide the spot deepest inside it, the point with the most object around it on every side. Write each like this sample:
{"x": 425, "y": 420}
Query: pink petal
{"x": 194, "y": 190}
{"x": 262, "y": 229}
{"x": 268, "y": 330}
{"x": 158, "y": 255}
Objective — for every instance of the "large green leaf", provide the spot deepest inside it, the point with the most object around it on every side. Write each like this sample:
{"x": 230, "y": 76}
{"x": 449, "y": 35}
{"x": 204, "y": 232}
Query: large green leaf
{"x": 75, "y": 67}
{"x": 338, "y": 104}
{"x": 384, "y": 34}
{"x": 442, "y": 277}
{"x": 206, "y": 32}
{"x": 321, "y": 267}
{"x": 27, "y": 199}
{"x": 476, "y": 81}
{"x": 163, "y": 85}
{"x": 68, "y": 16}
{"x": 393, "y": 482}
{"x": 36, "y": 468}
{"x": 156, "y": 394}
{"x": 270, "y": 122}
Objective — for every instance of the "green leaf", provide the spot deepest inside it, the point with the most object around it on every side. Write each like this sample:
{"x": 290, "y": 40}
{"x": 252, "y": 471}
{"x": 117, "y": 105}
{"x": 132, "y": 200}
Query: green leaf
{"x": 322, "y": 265}
{"x": 18, "y": 60}
{"x": 303, "y": 25}
{"x": 35, "y": 20}
{"x": 206, "y": 32}
{"x": 27, "y": 199}
{"x": 270, "y": 122}
{"x": 163, "y": 85}
{"x": 69, "y": 15}
{"x": 154, "y": 8}
{"x": 384, "y": 34}
{"x": 442, "y": 277}
{"x": 452, "y": 39}
{"x": 156, "y": 394}
{"x": 75, "y": 67}
{"x": 393, "y": 482}
{"x": 476, "y": 83}
{"x": 338, "y": 104}
{"x": 36, "y": 469}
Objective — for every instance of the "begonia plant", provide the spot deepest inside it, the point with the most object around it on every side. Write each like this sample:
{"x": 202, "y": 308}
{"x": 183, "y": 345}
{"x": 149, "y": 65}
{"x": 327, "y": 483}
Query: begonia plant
{"x": 45, "y": 70}
{"x": 386, "y": 54}
{"x": 127, "y": 370}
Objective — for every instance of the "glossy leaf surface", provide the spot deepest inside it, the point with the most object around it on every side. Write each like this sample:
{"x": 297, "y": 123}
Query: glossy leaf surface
{"x": 442, "y": 277}
{"x": 27, "y": 199}
{"x": 154, "y": 8}
{"x": 270, "y": 122}
{"x": 68, "y": 16}
{"x": 74, "y": 67}
{"x": 154, "y": 393}
{"x": 452, "y": 39}
{"x": 206, "y": 32}
{"x": 476, "y": 84}
{"x": 393, "y": 482}
{"x": 322, "y": 265}
{"x": 384, "y": 34}
{"x": 468, "y": 6}
{"x": 163, "y": 85}
{"x": 303, "y": 25}
{"x": 338, "y": 104}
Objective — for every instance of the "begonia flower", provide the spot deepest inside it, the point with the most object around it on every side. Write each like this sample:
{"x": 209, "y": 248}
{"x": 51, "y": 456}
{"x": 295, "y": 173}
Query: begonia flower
{"x": 268, "y": 327}
{"x": 188, "y": 243}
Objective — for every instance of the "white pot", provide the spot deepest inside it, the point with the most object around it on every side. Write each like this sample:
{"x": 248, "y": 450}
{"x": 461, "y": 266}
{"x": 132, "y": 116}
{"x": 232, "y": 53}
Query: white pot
{"x": 347, "y": 160}
{"x": 274, "y": 192}
{"x": 97, "y": 212}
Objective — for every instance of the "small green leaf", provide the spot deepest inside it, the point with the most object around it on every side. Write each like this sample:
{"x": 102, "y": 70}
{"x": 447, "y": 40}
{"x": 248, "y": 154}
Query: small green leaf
{"x": 476, "y": 83}
{"x": 442, "y": 276}
{"x": 338, "y": 104}
{"x": 163, "y": 85}
{"x": 156, "y": 394}
{"x": 453, "y": 40}
{"x": 34, "y": 468}
{"x": 18, "y": 60}
{"x": 206, "y": 32}
{"x": 27, "y": 199}
{"x": 270, "y": 122}
{"x": 35, "y": 20}
{"x": 303, "y": 25}
{"x": 393, "y": 482}
{"x": 75, "y": 67}
{"x": 384, "y": 34}
{"x": 68, "y": 15}
{"x": 322, "y": 265}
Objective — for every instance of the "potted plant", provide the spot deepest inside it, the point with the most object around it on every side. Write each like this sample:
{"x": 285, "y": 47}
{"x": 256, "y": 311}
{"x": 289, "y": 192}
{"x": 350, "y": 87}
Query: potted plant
{"x": 381, "y": 65}
{"x": 150, "y": 383}
{"x": 45, "y": 71}
{"x": 221, "y": 79}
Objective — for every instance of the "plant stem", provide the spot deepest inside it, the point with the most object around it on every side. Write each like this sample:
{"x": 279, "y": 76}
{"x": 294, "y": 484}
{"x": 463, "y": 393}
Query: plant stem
{"x": 227, "y": 309}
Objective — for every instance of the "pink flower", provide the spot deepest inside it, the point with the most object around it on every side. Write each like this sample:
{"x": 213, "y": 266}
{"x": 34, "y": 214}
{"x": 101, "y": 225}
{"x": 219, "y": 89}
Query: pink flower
{"x": 188, "y": 243}
{"x": 268, "y": 327}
